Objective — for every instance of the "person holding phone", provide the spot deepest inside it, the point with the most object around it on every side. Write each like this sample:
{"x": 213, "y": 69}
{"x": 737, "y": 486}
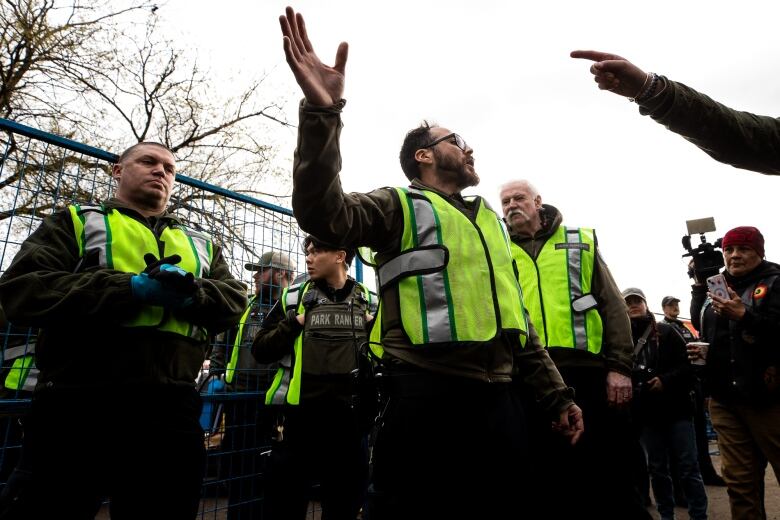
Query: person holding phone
{"x": 741, "y": 367}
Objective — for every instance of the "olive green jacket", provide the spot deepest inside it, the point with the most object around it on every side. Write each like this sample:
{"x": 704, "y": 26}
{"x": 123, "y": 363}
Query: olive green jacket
{"x": 375, "y": 220}
{"x": 741, "y": 139}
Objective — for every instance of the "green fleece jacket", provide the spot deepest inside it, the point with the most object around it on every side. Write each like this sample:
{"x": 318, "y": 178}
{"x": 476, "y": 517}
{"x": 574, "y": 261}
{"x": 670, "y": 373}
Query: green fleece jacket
{"x": 79, "y": 306}
{"x": 375, "y": 220}
{"x": 741, "y": 139}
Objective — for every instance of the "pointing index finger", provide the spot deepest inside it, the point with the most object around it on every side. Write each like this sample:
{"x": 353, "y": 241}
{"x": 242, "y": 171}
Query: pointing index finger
{"x": 594, "y": 55}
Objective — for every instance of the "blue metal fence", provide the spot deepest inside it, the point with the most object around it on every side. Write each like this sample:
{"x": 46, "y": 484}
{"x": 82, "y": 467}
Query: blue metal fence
{"x": 40, "y": 173}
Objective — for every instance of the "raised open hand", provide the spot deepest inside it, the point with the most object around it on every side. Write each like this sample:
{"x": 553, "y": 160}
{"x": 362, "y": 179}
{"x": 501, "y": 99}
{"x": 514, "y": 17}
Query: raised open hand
{"x": 614, "y": 73}
{"x": 321, "y": 85}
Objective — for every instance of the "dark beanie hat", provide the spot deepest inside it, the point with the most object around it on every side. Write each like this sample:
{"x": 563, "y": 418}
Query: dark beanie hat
{"x": 745, "y": 236}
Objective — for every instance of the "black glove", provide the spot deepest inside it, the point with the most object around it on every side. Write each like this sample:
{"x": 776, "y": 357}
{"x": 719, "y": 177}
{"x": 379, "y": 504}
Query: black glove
{"x": 170, "y": 275}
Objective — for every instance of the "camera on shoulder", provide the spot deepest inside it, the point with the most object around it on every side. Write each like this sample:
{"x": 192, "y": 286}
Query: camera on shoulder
{"x": 707, "y": 258}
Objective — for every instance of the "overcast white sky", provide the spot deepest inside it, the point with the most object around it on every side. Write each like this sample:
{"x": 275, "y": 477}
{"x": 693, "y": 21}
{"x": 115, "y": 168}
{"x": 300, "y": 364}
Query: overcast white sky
{"x": 498, "y": 73}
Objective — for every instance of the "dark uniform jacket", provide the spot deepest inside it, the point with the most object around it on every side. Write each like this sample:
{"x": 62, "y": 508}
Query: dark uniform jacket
{"x": 744, "y": 357}
{"x": 249, "y": 376}
{"x": 375, "y": 220}
{"x": 665, "y": 355}
{"x": 79, "y": 307}
{"x": 328, "y": 360}
{"x": 741, "y": 139}
{"x": 681, "y": 329}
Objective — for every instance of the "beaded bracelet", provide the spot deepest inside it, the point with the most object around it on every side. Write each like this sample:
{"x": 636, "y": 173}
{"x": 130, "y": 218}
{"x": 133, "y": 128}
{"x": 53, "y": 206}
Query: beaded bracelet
{"x": 649, "y": 91}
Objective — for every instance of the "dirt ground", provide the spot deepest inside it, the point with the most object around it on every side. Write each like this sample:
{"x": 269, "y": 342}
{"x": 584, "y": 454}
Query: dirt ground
{"x": 718, "y": 500}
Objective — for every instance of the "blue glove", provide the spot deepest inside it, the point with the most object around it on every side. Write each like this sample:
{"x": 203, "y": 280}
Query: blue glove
{"x": 153, "y": 292}
{"x": 171, "y": 276}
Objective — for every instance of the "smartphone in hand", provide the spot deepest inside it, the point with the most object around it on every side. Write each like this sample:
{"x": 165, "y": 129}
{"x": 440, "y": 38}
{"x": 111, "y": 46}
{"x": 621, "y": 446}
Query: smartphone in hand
{"x": 717, "y": 285}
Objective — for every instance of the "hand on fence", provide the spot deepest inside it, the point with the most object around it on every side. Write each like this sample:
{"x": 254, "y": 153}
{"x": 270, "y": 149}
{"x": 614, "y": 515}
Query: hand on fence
{"x": 169, "y": 275}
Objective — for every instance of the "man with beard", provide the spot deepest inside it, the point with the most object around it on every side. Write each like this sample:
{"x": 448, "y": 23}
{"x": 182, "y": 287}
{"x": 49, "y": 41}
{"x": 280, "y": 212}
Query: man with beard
{"x": 247, "y": 425}
{"x": 742, "y": 364}
{"x": 580, "y": 316}
{"x": 450, "y": 330}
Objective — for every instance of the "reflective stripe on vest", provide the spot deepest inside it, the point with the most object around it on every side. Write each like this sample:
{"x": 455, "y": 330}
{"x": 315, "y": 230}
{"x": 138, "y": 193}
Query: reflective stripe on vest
{"x": 561, "y": 275}
{"x": 121, "y": 243}
{"x": 288, "y": 377}
{"x": 23, "y": 374}
{"x": 230, "y": 370}
{"x": 286, "y": 386}
{"x": 455, "y": 277}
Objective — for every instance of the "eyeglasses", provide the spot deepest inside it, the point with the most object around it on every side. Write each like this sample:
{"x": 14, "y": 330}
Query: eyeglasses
{"x": 456, "y": 140}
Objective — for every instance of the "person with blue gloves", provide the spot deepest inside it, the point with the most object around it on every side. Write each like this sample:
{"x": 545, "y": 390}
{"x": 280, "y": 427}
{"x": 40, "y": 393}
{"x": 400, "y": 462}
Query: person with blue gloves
{"x": 126, "y": 296}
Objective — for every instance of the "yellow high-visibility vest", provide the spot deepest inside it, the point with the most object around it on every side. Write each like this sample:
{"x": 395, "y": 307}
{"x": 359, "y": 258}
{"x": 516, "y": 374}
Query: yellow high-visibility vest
{"x": 121, "y": 243}
{"x": 455, "y": 276}
{"x": 557, "y": 290}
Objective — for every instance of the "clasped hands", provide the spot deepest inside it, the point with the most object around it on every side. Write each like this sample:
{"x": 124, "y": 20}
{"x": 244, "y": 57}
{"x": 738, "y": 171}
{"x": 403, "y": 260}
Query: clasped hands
{"x": 164, "y": 283}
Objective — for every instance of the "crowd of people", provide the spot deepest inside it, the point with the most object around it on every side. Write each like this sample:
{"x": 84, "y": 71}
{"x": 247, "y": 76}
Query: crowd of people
{"x": 498, "y": 370}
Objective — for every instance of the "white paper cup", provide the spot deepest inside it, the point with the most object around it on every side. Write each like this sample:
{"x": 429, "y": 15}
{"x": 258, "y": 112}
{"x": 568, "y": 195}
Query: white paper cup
{"x": 697, "y": 352}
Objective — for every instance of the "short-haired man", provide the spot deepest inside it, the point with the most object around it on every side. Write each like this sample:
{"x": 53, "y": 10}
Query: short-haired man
{"x": 580, "y": 316}
{"x": 450, "y": 327}
{"x": 126, "y": 297}
{"x": 316, "y": 331}
{"x": 671, "y": 308}
{"x": 246, "y": 430}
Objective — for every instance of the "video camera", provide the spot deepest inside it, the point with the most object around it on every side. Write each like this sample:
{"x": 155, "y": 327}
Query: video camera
{"x": 707, "y": 258}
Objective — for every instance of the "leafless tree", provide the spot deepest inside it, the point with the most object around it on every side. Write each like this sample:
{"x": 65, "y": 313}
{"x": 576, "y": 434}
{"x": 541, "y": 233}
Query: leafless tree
{"x": 103, "y": 73}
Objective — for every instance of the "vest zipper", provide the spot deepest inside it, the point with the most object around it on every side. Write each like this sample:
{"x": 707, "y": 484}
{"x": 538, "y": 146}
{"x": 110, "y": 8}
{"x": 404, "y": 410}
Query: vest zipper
{"x": 539, "y": 287}
{"x": 496, "y": 309}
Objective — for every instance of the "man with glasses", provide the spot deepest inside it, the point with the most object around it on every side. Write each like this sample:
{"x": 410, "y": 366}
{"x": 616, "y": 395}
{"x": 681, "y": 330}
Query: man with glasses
{"x": 231, "y": 359}
{"x": 451, "y": 331}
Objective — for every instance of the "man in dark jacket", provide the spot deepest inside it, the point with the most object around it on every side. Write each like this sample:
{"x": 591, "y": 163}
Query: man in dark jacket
{"x": 671, "y": 308}
{"x": 316, "y": 332}
{"x": 742, "y": 366}
{"x": 126, "y": 297}
{"x": 577, "y": 308}
{"x": 662, "y": 408}
{"x": 740, "y": 139}
{"x": 452, "y": 334}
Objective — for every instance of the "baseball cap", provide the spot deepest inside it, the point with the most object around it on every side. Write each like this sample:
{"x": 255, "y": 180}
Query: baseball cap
{"x": 633, "y": 291}
{"x": 276, "y": 259}
{"x": 669, "y": 300}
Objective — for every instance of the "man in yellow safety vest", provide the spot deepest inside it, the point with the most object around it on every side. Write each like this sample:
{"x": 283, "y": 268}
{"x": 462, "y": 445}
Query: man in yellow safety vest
{"x": 450, "y": 330}
{"x": 581, "y": 319}
{"x": 126, "y": 296}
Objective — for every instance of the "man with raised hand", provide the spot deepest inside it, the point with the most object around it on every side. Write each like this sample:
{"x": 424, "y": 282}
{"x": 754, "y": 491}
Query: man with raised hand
{"x": 450, "y": 329}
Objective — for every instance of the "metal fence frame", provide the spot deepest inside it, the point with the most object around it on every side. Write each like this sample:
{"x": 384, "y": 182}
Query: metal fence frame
{"x": 212, "y": 505}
